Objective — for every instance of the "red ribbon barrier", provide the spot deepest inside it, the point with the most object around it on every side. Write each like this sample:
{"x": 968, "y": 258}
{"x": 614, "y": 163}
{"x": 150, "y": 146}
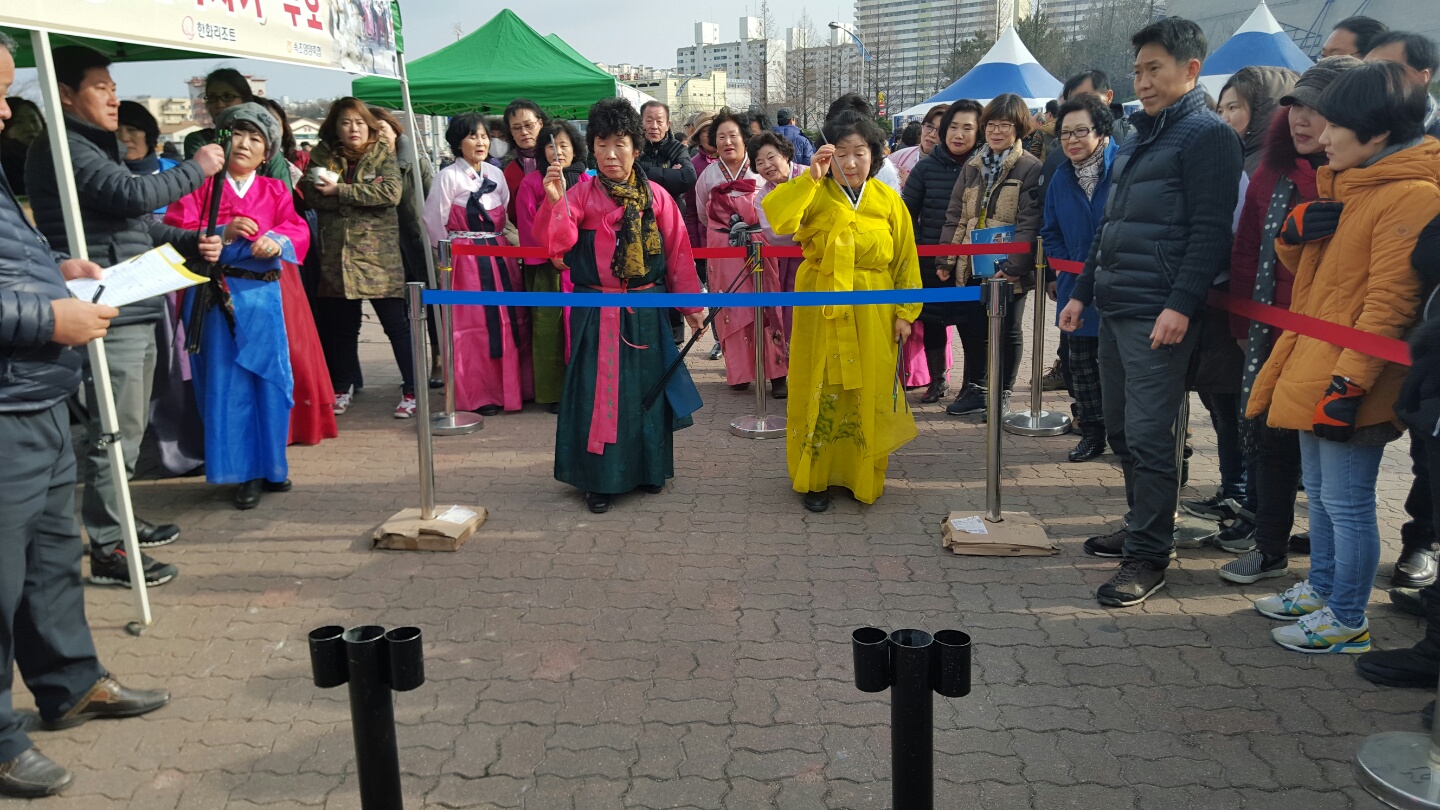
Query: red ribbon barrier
{"x": 1065, "y": 265}
{"x": 1346, "y": 337}
{"x": 502, "y": 251}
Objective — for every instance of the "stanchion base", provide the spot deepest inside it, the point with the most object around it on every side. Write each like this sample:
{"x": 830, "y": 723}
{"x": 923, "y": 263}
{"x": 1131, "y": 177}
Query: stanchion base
{"x": 447, "y": 531}
{"x": 1395, "y": 767}
{"x": 1016, "y": 534}
{"x": 759, "y": 427}
{"x": 1193, "y": 532}
{"x": 1045, "y": 423}
{"x": 455, "y": 424}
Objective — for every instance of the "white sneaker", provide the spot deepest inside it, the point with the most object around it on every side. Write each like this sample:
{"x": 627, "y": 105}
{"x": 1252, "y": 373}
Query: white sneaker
{"x": 1300, "y": 600}
{"x": 342, "y": 400}
{"x": 1320, "y": 632}
{"x": 406, "y": 408}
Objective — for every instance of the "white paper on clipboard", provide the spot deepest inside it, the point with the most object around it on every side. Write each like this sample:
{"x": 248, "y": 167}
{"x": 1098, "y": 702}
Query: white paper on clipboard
{"x": 154, "y": 272}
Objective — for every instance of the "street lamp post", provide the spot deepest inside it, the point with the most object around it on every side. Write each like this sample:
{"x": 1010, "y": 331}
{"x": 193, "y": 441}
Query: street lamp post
{"x": 864, "y": 54}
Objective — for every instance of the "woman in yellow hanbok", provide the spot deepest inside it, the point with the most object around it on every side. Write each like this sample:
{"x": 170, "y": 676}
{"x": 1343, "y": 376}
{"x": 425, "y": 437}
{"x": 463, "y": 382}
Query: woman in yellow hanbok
{"x": 846, "y": 414}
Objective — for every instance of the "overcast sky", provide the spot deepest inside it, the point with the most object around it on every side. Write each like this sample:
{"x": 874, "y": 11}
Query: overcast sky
{"x": 635, "y": 31}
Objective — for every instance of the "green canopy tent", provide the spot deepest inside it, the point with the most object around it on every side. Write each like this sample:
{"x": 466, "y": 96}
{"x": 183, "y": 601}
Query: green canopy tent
{"x": 117, "y": 51}
{"x": 496, "y": 63}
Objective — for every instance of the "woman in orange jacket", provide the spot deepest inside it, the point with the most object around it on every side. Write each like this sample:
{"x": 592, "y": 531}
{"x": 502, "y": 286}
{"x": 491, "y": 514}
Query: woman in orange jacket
{"x": 1350, "y": 251}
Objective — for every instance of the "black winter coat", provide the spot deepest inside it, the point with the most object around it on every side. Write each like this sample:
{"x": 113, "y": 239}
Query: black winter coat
{"x": 35, "y": 373}
{"x": 115, "y": 205}
{"x": 1167, "y": 228}
{"x": 1419, "y": 403}
{"x": 668, "y": 163}
{"x": 927, "y": 194}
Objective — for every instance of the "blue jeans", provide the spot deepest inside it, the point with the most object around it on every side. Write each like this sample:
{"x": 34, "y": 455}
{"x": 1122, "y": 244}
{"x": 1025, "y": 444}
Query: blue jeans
{"x": 1344, "y": 536}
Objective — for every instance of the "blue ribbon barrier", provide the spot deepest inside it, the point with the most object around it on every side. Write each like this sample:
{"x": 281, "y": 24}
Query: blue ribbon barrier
{"x": 648, "y": 300}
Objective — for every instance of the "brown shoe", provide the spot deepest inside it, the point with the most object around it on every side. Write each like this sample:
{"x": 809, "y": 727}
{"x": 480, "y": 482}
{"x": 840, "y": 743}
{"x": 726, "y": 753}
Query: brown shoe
{"x": 108, "y": 699}
{"x": 32, "y": 775}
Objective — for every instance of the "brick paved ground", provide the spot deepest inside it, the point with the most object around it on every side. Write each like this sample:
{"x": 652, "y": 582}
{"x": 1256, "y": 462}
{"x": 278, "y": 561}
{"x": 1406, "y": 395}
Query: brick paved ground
{"x": 690, "y": 649}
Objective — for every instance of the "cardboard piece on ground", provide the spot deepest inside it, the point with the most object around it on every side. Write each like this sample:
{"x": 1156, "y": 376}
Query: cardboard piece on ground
{"x": 448, "y": 531}
{"x": 1018, "y": 535}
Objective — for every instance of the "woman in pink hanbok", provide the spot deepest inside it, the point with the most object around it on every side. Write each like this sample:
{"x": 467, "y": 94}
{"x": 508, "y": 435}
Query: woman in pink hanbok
{"x": 492, "y": 343}
{"x": 772, "y": 156}
{"x": 726, "y": 190}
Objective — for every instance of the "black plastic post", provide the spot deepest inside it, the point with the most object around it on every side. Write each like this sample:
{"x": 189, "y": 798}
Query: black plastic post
{"x": 373, "y": 662}
{"x": 913, "y": 664}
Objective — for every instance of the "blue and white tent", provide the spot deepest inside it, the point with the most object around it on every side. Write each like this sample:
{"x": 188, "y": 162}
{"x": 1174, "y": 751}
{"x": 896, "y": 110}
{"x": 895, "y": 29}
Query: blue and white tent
{"x": 1008, "y": 67}
{"x": 1260, "y": 41}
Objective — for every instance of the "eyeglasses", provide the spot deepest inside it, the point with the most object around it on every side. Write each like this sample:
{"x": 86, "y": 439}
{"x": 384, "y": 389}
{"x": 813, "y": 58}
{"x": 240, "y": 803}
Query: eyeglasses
{"x": 528, "y": 126}
{"x": 1080, "y": 133}
{"x": 999, "y": 127}
{"x": 222, "y": 98}
{"x": 930, "y": 128}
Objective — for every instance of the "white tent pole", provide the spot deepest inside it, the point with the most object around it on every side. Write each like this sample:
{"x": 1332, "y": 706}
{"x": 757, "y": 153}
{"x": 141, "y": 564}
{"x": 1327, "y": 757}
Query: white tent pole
{"x": 415, "y": 144}
{"x": 100, "y": 370}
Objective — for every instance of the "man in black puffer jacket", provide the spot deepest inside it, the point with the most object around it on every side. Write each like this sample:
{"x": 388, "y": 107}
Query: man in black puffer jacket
{"x": 42, "y": 621}
{"x": 1165, "y": 236}
{"x": 115, "y": 209}
{"x": 667, "y": 162}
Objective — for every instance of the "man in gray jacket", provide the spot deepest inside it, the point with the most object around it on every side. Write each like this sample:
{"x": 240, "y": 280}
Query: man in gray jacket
{"x": 42, "y": 606}
{"x": 115, "y": 208}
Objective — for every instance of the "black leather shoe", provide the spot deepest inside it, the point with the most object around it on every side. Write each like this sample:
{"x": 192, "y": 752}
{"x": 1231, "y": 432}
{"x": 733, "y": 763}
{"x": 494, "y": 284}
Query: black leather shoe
{"x": 108, "y": 699}
{"x": 1300, "y": 543}
{"x": 597, "y": 502}
{"x": 817, "y": 501}
{"x": 779, "y": 388}
{"x": 937, "y": 391}
{"x": 1416, "y": 568}
{"x": 247, "y": 496}
{"x": 652, "y": 489}
{"x": 490, "y": 410}
{"x": 1090, "y": 446}
{"x": 553, "y": 408}
{"x": 32, "y": 775}
{"x": 274, "y": 486}
{"x": 1407, "y": 600}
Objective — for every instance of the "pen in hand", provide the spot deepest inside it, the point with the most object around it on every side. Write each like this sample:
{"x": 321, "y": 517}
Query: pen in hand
{"x": 99, "y": 291}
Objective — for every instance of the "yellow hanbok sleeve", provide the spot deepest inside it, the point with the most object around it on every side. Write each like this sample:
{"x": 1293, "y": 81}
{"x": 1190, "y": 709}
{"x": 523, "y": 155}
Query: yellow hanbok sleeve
{"x": 785, "y": 207}
{"x": 905, "y": 266}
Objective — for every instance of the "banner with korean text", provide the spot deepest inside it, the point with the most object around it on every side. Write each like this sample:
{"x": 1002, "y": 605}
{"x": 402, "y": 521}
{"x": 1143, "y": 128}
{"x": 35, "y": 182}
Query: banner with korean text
{"x": 358, "y": 36}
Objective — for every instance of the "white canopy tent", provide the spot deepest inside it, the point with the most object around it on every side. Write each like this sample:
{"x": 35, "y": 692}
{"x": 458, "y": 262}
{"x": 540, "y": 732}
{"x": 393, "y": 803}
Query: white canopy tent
{"x": 1260, "y": 41}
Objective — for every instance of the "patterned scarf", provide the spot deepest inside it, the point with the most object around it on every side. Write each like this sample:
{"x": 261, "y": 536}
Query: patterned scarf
{"x": 1257, "y": 346}
{"x": 1089, "y": 171}
{"x": 638, "y": 237}
{"x": 991, "y": 161}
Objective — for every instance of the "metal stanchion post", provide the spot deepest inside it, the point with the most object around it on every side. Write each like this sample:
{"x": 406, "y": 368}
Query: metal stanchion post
{"x": 373, "y": 663}
{"x": 913, "y": 665}
{"x": 759, "y": 426}
{"x": 1401, "y": 768}
{"x": 451, "y": 422}
{"x": 1036, "y": 421}
{"x": 996, "y": 294}
{"x": 1190, "y": 532}
{"x": 414, "y": 292}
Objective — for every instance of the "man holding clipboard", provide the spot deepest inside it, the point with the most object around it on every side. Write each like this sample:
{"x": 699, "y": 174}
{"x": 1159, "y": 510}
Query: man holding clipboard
{"x": 42, "y": 605}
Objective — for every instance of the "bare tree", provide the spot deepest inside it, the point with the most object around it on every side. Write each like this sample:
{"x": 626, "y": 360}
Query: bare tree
{"x": 965, "y": 55}
{"x": 803, "y": 69}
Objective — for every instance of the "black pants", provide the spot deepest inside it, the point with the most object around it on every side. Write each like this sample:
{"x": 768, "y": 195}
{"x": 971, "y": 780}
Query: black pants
{"x": 1420, "y": 504}
{"x": 1225, "y": 414}
{"x": 1142, "y": 389}
{"x": 340, "y": 338}
{"x": 1274, "y": 471}
{"x": 42, "y": 603}
{"x": 974, "y": 330}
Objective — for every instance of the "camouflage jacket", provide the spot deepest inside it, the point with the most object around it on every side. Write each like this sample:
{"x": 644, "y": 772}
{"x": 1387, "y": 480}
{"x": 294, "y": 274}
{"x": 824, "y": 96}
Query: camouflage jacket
{"x": 359, "y": 228}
